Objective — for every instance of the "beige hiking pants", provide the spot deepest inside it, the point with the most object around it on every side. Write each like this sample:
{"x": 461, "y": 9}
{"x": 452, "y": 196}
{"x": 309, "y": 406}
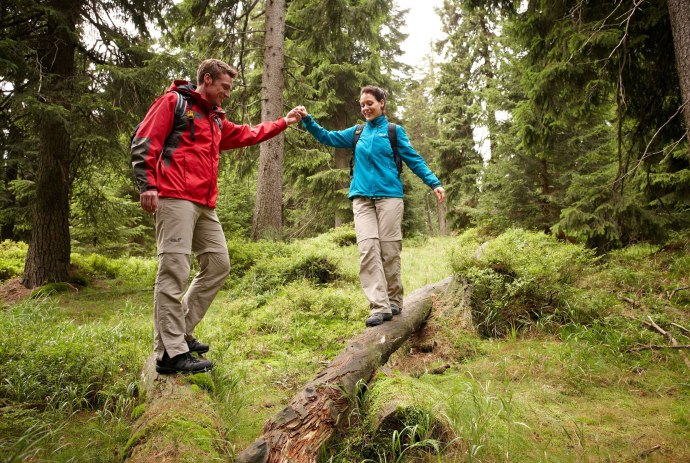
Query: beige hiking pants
{"x": 183, "y": 227}
{"x": 379, "y": 240}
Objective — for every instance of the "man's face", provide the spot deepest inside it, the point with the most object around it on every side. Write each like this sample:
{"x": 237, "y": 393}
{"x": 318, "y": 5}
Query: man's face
{"x": 216, "y": 91}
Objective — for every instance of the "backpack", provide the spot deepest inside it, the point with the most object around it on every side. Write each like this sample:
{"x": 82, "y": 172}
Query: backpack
{"x": 183, "y": 110}
{"x": 392, "y": 138}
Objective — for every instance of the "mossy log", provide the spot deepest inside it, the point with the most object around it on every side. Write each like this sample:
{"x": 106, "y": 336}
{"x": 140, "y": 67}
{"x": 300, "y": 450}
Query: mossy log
{"x": 177, "y": 424}
{"x": 397, "y": 402}
{"x": 312, "y": 417}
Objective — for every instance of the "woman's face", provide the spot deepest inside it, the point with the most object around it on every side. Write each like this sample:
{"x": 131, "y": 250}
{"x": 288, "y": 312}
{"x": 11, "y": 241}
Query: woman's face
{"x": 371, "y": 108}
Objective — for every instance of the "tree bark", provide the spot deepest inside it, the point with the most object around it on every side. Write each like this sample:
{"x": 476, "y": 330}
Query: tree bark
{"x": 342, "y": 161}
{"x": 49, "y": 249}
{"x": 298, "y": 432}
{"x": 679, "y": 11}
{"x": 267, "y": 222}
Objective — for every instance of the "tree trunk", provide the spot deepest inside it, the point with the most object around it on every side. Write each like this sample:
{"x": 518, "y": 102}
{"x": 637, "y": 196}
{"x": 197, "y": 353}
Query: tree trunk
{"x": 49, "y": 249}
{"x": 343, "y": 156}
{"x": 267, "y": 221}
{"x": 544, "y": 180}
{"x": 342, "y": 161}
{"x": 298, "y": 432}
{"x": 441, "y": 219}
{"x": 679, "y": 11}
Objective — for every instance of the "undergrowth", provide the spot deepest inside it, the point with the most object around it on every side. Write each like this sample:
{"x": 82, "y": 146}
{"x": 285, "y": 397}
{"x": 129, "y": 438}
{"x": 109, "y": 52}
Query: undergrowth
{"x": 561, "y": 364}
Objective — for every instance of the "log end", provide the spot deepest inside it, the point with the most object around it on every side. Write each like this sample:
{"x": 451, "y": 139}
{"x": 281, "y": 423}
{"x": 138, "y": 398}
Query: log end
{"x": 255, "y": 453}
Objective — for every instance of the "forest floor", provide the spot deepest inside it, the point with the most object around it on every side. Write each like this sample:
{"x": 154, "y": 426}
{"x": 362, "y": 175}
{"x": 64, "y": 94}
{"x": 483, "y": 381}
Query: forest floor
{"x": 577, "y": 380}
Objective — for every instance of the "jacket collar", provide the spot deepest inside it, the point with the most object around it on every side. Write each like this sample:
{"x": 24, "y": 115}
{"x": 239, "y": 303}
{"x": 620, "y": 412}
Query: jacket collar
{"x": 377, "y": 122}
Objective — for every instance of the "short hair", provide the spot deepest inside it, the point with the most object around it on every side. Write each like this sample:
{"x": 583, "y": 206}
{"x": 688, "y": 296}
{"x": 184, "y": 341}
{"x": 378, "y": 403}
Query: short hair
{"x": 214, "y": 67}
{"x": 377, "y": 92}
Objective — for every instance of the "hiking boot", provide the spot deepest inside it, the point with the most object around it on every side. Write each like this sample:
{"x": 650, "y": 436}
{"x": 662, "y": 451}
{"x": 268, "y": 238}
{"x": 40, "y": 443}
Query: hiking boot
{"x": 198, "y": 347}
{"x": 395, "y": 310}
{"x": 183, "y": 363}
{"x": 376, "y": 319}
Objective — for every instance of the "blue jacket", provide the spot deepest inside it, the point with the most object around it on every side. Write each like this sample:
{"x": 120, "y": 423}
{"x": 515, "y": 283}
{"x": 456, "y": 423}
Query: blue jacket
{"x": 375, "y": 174}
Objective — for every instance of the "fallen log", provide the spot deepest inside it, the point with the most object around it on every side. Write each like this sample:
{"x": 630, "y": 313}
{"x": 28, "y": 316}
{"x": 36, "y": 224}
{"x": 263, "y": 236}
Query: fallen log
{"x": 311, "y": 419}
{"x": 398, "y": 402}
{"x": 177, "y": 423}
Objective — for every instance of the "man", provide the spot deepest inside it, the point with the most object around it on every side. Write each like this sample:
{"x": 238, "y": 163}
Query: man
{"x": 175, "y": 162}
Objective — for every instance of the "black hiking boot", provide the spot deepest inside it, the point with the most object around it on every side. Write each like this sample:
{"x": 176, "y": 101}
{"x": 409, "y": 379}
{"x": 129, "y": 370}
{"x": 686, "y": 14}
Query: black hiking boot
{"x": 395, "y": 310}
{"x": 198, "y": 347}
{"x": 183, "y": 363}
{"x": 376, "y": 319}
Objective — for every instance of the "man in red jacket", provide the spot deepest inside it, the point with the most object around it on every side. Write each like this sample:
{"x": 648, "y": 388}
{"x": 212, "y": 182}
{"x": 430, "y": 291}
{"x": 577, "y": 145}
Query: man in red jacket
{"x": 175, "y": 163}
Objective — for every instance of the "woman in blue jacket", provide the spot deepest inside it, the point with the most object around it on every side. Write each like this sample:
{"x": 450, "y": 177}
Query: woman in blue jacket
{"x": 376, "y": 193}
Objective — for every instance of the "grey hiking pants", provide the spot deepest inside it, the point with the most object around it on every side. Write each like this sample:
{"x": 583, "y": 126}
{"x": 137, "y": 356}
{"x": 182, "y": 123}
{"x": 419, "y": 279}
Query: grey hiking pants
{"x": 379, "y": 240}
{"x": 183, "y": 228}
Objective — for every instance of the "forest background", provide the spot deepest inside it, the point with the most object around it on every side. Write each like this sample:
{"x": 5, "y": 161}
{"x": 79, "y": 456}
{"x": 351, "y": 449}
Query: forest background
{"x": 582, "y": 107}
{"x": 584, "y": 111}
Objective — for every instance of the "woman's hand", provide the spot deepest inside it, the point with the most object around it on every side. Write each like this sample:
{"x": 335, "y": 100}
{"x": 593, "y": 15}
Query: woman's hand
{"x": 440, "y": 194}
{"x": 294, "y": 116}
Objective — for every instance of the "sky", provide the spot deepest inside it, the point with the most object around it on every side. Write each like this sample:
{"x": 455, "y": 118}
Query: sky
{"x": 423, "y": 26}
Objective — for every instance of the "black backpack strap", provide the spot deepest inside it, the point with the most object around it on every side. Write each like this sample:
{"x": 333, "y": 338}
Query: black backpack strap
{"x": 393, "y": 139}
{"x": 355, "y": 139}
{"x": 184, "y": 108}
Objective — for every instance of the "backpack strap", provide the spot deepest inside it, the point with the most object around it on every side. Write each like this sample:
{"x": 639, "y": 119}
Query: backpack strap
{"x": 393, "y": 139}
{"x": 355, "y": 139}
{"x": 183, "y": 108}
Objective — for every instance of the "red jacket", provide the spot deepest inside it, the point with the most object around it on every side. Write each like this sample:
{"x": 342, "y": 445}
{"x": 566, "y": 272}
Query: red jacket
{"x": 165, "y": 158}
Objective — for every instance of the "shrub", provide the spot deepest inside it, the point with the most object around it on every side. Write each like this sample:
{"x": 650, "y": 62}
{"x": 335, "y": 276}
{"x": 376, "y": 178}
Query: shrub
{"x": 344, "y": 235}
{"x": 12, "y": 257}
{"x": 244, "y": 254}
{"x": 269, "y": 275}
{"x": 50, "y": 288}
{"x": 133, "y": 269}
{"x": 522, "y": 277}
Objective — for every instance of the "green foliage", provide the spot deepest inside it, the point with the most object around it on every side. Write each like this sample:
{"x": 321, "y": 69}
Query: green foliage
{"x": 264, "y": 267}
{"x": 58, "y": 364}
{"x": 50, "y": 288}
{"x": 344, "y": 235}
{"x": 522, "y": 277}
{"x": 12, "y": 256}
{"x": 131, "y": 269}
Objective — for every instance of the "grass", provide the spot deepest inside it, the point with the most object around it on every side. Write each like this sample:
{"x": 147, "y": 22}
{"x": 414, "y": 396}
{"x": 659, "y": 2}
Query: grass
{"x": 561, "y": 385}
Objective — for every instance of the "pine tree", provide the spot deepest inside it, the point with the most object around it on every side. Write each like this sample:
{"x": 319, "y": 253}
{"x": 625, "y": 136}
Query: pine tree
{"x": 56, "y": 81}
{"x": 268, "y": 209}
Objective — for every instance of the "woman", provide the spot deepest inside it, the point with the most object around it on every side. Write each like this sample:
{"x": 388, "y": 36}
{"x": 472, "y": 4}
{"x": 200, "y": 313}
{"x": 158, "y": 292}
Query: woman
{"x": 376, "y": 192}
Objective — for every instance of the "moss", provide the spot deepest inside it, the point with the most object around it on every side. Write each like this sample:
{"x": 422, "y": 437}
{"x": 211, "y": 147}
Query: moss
{"x": 414, "y": 399}
{"x": 184, "y": 422}
{"x": 138, "y": 411}
{"x": 50, "y": 288}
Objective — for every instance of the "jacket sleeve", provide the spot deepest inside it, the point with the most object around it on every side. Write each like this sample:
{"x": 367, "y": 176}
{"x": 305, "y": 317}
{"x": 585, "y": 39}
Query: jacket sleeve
{"x": 414, "y": 161}
{"x": 336, "y": 138}
{"x": 148, "y": 141}
{"x": 238, "y": 136}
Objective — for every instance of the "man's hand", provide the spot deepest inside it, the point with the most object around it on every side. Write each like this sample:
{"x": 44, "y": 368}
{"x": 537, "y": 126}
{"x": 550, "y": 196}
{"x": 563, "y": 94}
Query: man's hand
{"x": 440, "y": 194}
{"x": 149, "y": 201}
{"x": 295, "y": 115}
{"x": 302, "y": 111}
